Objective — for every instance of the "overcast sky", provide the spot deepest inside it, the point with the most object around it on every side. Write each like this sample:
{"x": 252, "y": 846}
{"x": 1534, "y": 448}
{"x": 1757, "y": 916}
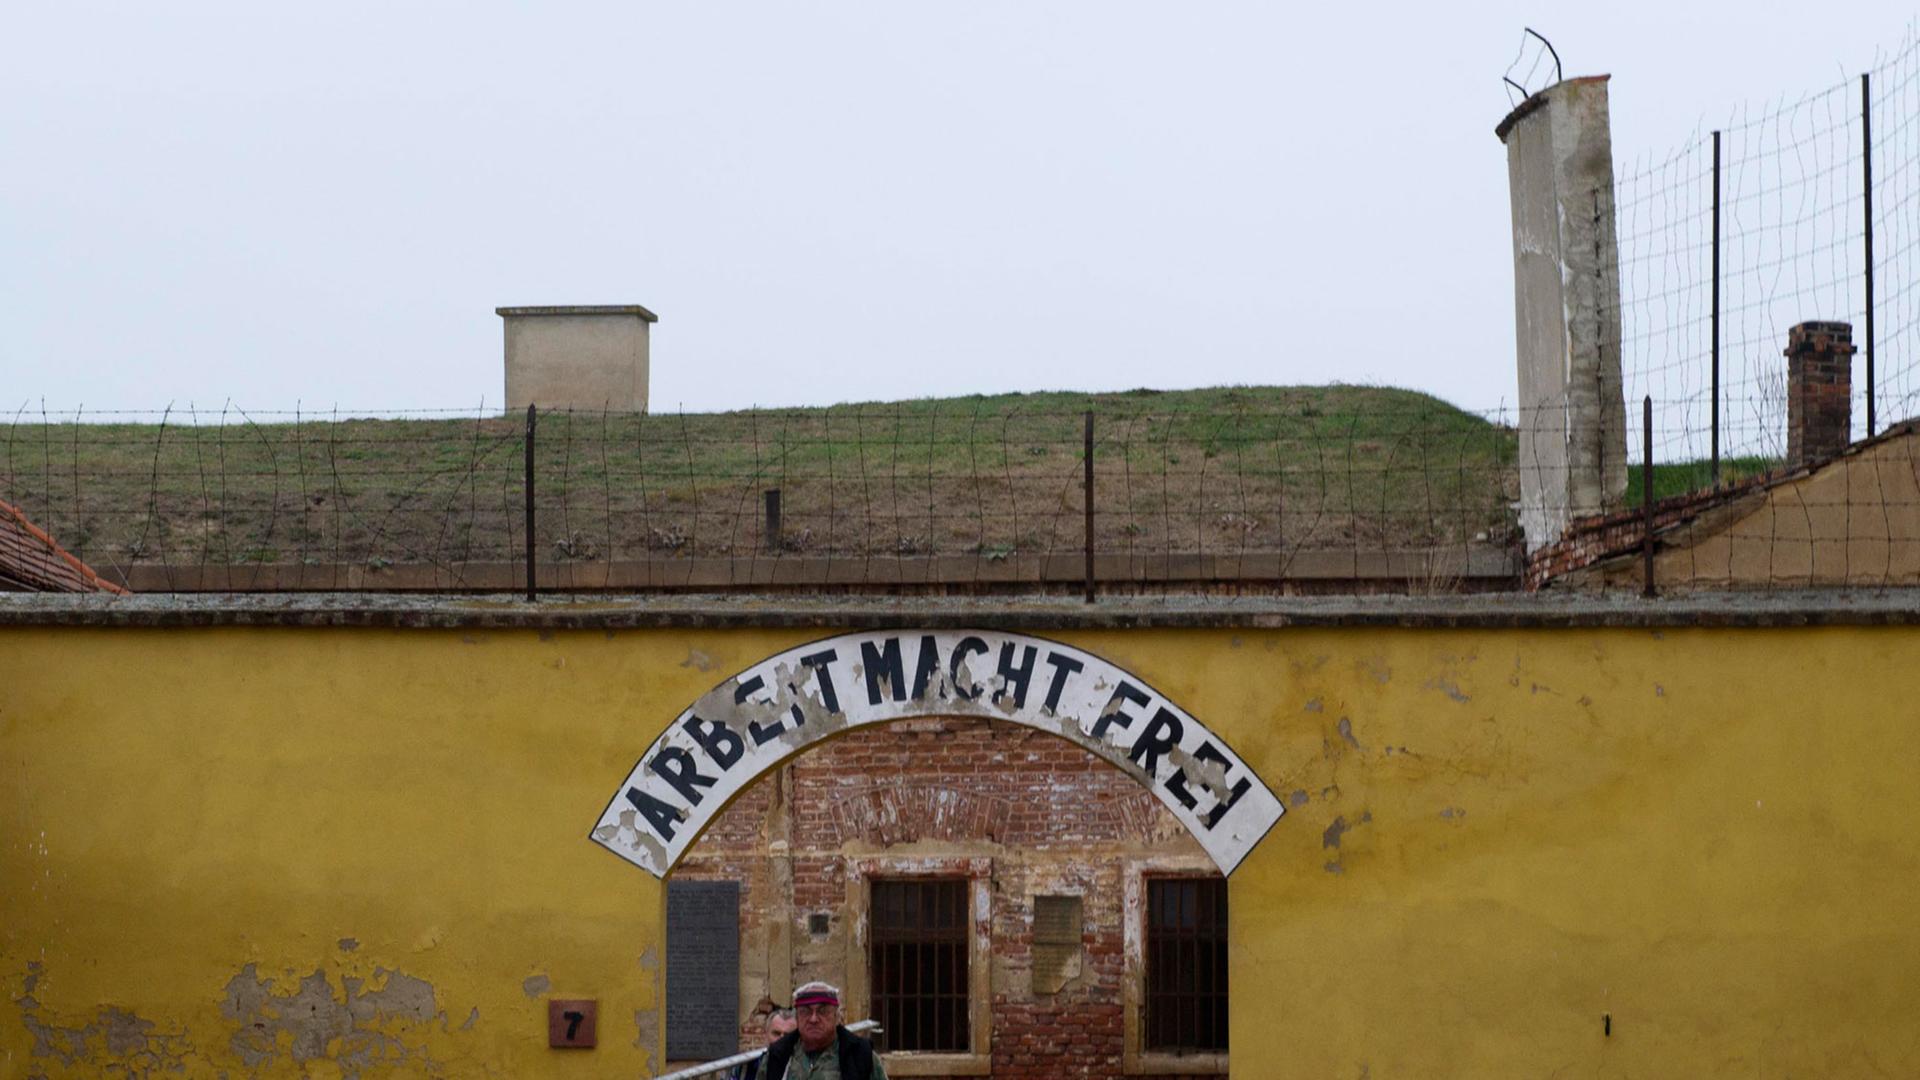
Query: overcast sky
{"x": 828, "y": 202}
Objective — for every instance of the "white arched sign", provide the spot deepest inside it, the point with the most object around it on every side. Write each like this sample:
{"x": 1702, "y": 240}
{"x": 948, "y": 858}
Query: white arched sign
{"x": 787, "y": 702}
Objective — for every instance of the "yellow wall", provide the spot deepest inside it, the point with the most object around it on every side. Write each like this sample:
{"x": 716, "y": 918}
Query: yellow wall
{"x": 1711, "y": 835}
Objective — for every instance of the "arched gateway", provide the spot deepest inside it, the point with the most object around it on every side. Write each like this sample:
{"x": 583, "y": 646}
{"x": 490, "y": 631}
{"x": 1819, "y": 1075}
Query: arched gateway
{"x": 780, "y": 706}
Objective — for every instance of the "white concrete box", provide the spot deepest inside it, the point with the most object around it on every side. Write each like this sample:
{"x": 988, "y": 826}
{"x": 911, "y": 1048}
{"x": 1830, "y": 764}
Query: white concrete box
{"x": 590, "y": 358}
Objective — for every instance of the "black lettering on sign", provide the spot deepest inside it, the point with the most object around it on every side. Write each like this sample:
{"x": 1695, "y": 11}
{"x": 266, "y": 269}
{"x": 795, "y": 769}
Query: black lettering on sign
{"x": 967, "y": 646}
{"x": 761, "y": 735}
{"x": 1162, "y": 734}
{"x": 1112, "y": 715}
{"x": 678, "y": 768}
{"x": 1177, "y": 783}
{"x": 573, "y": 1023}
{"x": 659, "y": 815}
{"x": 1240, "y": 787}
{"x": 1015, "y": 678}
{"x": 717, "y": 739}
{"x": 818, "y": 662}
{"x": 924, "y": 665}
{"x": 1062, "y": 667}
{"x": 883, "y": 663}
{"x": 745, "y": 690}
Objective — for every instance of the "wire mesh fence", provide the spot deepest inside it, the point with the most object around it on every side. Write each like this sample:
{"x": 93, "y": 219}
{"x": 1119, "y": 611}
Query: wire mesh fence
{"x": 1797, "y": 211}
{"x": 1794, "y": 211}
{"x": 1338, "y": 482}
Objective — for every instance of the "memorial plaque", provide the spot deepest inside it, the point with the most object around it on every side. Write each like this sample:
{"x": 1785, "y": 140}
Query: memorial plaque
{"x": 703, "y": 969}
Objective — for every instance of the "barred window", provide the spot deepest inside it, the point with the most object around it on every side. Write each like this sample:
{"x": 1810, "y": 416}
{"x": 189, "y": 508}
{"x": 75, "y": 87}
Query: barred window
{"x": 919, "y": 942}
{"x": 1186, "y": 943}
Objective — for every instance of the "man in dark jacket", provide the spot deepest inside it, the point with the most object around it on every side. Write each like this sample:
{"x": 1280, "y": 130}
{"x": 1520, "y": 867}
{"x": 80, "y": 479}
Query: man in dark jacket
{"x": 821, "y": 1049}
{"x": 780, "y": 1024}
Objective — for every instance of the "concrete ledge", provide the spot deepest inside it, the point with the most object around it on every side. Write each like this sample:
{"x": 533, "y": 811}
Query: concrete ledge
{"x": 1784, "y": 609}
{"x": 1479, "y": 567}
{"x": 581, "y": 309}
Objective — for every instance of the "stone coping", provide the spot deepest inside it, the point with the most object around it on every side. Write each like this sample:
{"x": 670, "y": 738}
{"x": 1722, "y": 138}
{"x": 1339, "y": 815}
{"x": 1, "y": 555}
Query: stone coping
{"x": 580, "y": 309}
{"x": 1547, "y": 610}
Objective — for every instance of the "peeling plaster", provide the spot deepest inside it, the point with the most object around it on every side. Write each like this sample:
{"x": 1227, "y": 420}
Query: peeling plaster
{"x": 1345, "y": 727}
{"x": 1447, "y": 687}
{"x": 646, "y": 1023}
{"x": 351, "y": 1026}
{"x": 535, "y": 985}
{"x": 1331, "y": 837}
{"x": 112, "y": 1041}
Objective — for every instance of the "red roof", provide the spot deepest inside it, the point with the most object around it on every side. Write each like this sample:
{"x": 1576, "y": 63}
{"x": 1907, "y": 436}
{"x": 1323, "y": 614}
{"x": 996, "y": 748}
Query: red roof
{"x": 30, "y": 561}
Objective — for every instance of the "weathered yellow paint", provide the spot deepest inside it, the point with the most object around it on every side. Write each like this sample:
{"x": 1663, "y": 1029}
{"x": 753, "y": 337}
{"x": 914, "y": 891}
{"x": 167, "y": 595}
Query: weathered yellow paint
{"x": 1712, "y": 836}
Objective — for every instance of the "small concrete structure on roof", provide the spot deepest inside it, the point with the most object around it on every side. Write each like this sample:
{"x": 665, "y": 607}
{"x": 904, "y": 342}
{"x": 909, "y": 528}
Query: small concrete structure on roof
{"x": 587, "y": 357}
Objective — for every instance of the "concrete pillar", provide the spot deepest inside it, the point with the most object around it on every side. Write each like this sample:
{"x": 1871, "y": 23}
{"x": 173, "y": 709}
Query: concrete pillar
{"x": 1819, "y": 390}
{"x": 1566, "y": 285}
{"x": 588, "y": 358}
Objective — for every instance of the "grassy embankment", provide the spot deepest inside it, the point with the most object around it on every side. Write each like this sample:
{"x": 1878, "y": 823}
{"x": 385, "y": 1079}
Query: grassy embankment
{"x": 1218, "y": 470}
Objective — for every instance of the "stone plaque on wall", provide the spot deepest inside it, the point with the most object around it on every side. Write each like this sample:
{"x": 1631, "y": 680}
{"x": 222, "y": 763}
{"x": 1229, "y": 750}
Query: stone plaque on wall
{"x": 1056, "y": 942}
{"x": 703, "y": 969}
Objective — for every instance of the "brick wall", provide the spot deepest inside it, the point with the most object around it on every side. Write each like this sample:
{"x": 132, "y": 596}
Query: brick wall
{"x": 1045, "y": 815}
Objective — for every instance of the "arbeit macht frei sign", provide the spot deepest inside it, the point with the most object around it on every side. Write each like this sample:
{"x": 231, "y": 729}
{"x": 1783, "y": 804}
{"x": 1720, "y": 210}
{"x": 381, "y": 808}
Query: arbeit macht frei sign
{"x": 777, "y": 708}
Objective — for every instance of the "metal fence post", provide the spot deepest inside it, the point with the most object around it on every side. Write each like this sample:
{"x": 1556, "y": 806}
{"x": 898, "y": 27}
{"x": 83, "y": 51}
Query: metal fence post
{"x": 1646, "y": 493}
{"x": 1866, "y": 162}
{"x": 772, "y": 530}
{"x": 532, "y": 418}
{"x": 1716, "y": 310}
{"x": 1087, "y": 501}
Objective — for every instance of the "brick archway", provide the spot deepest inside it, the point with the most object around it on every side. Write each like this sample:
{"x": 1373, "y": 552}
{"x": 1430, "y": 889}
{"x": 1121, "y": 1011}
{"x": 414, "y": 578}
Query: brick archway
{"x": 788, "y": 702}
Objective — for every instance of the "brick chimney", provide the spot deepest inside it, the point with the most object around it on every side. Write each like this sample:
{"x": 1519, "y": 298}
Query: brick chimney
{"x": 1819, "y": 390}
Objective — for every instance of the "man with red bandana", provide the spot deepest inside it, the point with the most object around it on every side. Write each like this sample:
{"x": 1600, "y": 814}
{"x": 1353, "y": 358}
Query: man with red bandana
{"x": 822, "y": 1049}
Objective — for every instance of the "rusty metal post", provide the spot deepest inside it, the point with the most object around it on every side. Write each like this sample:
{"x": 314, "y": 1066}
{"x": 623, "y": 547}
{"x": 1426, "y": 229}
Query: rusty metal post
{"x": 1646, "y": 492}
{"x": 1866, "y": 162}
{"x": 532, "y": 418}
{"x": 772, "y": 538}
{"x": 1087, "y": 502}
{"x": 1716, "y": 309}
